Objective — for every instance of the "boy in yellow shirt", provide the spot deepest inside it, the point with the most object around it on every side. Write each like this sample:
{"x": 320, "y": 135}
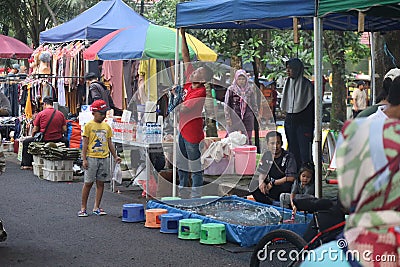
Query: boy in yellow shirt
{"x": 96, "y": 147}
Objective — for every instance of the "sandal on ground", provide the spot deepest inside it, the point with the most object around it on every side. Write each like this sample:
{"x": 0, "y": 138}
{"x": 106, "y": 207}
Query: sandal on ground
{"x": 26, "y": 168}
{"x": 82, "y": 213}
{"x": 99, "y": 212}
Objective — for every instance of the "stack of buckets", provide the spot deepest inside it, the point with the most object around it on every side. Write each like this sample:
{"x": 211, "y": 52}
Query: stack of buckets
{"x": 245, "y": 159}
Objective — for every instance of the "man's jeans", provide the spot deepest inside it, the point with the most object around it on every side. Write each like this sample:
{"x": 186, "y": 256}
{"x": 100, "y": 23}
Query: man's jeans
{"x": 188, "y": 161}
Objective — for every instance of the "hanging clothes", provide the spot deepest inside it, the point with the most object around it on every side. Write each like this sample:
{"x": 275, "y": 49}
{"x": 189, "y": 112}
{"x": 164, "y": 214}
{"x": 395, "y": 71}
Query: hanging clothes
{"x": 11, "y": 92}
{"x": 28, "y": 106}
{"x": 71, "y": 98}
{"x": 113, "y": 73}
{"x": 148, "y": 70}
{"x": 127, "y": 66}
{"x": 60, "y": 83}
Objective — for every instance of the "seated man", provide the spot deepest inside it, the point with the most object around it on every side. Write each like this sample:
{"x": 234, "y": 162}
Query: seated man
{"x": 277, "y": 170}
{"x": 51, "y": 123}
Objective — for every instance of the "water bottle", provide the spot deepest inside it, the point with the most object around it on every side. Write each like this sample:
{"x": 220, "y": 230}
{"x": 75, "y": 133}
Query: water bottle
{"x": 158, "y": 133}
{"x": 139, "y": 133}
{"x": 146, "y": 130}
{"x": 154, "y": 133}
{"x": 150, "y": 135}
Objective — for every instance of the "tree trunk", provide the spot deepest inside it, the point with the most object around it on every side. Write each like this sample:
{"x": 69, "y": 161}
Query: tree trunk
{"x": 236, "y": 62}
{"x": 266, "y": 38}
{"x": 393, "y": 49}
{"x": 385, "y": 59}
{"x": 339, "y": 107}
{"x": 334, "y": 46}
{"x": 380, "y": 68}
{"x": 51, "y": 12}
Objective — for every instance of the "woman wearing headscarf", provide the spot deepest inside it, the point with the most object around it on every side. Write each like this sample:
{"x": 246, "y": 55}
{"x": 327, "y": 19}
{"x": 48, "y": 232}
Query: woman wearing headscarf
{"x": 297, "y": 102}
{"x": 240, "y": 105}
{"x": 368, "y": 158}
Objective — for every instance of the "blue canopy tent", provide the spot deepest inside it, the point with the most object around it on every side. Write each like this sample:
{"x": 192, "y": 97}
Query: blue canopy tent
{"x": 279, "y": 14}
{"x": 94, "y": 23}
{"x": 241, "y": 14}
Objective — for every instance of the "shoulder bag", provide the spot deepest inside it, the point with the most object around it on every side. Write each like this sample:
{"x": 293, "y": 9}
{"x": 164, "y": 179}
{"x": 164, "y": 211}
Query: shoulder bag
{"x": 39, "y": 136}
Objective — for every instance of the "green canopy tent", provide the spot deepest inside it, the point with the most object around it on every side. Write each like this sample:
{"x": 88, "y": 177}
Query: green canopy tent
{"x": 375, "y": 8}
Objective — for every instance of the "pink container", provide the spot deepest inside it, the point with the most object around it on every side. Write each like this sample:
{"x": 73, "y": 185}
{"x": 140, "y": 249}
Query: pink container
{"x": 245, "y": 160}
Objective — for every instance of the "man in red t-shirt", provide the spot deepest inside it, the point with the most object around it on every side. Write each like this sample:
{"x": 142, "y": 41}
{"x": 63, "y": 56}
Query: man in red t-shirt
{"x": 191, "y": 124}
{"x": 54, "y": 132}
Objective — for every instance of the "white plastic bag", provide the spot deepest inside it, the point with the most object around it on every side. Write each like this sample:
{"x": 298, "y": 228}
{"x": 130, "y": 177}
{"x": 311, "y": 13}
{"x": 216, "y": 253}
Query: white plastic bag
{"x": 117, "y": 174}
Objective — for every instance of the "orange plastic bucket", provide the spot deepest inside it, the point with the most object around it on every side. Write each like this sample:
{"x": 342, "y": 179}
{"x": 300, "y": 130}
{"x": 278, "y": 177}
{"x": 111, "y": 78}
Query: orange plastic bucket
{"x": 153, "y": 219}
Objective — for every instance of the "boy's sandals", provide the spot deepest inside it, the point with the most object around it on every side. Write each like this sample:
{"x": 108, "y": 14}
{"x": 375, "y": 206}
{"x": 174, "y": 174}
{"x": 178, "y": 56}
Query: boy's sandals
{"x": 82, "y": 213}
{"x": 26, "y": 168}
{"x": 99, "y": 212}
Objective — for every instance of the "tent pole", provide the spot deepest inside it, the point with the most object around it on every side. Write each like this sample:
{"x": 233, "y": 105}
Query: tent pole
{"x": 86, "y": 63}
{"x": 317, "y": 148}
{"x": 176, "y": 69}
{"x": 373, "y": 87}
{"x": 148, "y": 80}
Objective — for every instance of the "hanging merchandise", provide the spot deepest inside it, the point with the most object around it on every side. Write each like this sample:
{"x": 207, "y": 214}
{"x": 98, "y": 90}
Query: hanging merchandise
{"x": 28, "y": 106}
{"x": 63, "y": 66}
{"x": 112, "y": 73}
{"x": 148, "y": 70}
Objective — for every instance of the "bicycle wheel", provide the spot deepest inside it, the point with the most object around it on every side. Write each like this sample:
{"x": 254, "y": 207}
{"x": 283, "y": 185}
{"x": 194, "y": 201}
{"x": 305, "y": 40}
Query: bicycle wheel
{"x": 278, "y": 248}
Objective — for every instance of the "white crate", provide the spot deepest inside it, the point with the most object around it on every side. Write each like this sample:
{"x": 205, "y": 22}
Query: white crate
{"x": 37, "y": 169}
{"x": 8, "y": 146}
{"x": 38, "y": 160}
{"x": 58, "y": 165}
{"x": 58, "y": 175}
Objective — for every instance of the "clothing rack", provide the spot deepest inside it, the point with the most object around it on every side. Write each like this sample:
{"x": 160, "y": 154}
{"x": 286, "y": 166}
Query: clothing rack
{"x": 16, "y": 77}
{"x": 54, "y": 77}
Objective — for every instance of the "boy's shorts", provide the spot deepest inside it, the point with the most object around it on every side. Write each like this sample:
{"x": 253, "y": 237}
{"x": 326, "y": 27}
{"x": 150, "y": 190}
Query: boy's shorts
{"x": 98, "y": 169}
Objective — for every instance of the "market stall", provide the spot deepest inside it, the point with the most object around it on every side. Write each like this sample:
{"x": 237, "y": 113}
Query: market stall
{"x": 156, "y": 42}
{"x": 11, "y": 48}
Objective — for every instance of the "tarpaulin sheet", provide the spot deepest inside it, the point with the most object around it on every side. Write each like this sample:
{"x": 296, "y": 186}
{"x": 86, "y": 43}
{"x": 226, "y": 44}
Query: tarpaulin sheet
{"x": 245, "y": 236}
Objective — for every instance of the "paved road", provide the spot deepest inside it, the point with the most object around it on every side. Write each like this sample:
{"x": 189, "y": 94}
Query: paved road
{"x": 44, "y": 230}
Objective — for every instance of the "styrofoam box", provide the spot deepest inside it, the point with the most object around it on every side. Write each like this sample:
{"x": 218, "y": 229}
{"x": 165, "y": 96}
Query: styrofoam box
{"x": 8, "y": 146}
{"x": 58, "y": 165}
{"x": 58, "y": 175}
{"x": 37, "y": 169}
{"x": 38, "y": 159}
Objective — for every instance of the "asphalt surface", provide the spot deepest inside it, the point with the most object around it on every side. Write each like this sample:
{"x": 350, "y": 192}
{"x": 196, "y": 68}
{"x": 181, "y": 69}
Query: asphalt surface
{"x": 44, "y": 230}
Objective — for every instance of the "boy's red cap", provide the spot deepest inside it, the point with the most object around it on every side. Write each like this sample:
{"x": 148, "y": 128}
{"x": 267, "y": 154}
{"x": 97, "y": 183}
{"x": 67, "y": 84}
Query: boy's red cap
{"x": 99, "y": 105}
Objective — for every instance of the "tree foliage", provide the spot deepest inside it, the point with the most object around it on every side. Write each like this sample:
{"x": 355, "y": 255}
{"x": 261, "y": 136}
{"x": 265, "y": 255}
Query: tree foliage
{"x": 25, "y": 19}
{"x": 163, "y": 13}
